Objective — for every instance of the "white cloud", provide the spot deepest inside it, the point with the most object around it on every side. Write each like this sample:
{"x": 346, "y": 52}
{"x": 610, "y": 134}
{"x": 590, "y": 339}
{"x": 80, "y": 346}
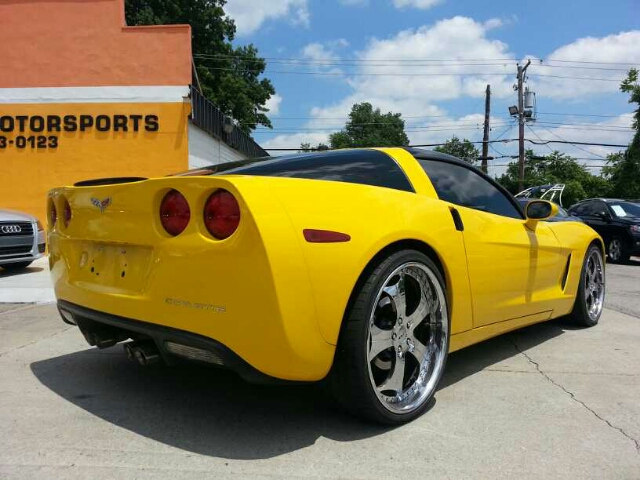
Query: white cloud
{"x": 249, "y": 15}
{"x": 421, "y": 4}
{"x": 324, "y": 55}
{"x": 622, "y": 48}
{"x": 455, "y": 38}
{"x": 273, "y": 104}
{"x": 294, "y": 140}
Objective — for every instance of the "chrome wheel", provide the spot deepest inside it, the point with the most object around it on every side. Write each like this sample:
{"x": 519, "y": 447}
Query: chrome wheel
{"x": 594, "y": 284}
{"x": 615, "y": 250}
{"x": 407, "y": 338}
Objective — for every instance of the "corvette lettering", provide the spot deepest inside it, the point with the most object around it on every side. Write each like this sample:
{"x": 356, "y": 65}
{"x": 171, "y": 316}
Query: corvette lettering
{"x": 196, "y": 306}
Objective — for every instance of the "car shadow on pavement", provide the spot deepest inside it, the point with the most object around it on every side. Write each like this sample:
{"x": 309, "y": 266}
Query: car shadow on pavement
{"x": 213, "y": 412}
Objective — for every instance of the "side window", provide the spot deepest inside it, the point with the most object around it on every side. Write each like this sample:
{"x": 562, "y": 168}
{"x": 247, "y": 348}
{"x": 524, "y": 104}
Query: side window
{"x": 598, "y": 208}
{"x": 463, "y": 186}
{"x": 581, "y": 209}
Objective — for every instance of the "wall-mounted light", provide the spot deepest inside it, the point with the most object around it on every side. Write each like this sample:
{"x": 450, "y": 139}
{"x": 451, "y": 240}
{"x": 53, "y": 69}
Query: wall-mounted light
{"x": 227, "y": 126}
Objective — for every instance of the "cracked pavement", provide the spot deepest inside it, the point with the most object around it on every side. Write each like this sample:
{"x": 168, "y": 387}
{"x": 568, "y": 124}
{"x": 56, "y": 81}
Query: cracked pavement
{"x": 548, "y": 401}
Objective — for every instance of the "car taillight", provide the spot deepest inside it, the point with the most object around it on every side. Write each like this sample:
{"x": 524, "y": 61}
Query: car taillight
{"x": 67, "y": 213}
{"x": 53, "y": 214}
{"x": 174, "y": 212}
{"x": 221, "y": 214}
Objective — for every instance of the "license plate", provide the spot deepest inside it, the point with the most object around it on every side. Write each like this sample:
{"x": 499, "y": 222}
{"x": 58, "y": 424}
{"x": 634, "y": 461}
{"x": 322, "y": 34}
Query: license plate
{"x": 123, "y": 267}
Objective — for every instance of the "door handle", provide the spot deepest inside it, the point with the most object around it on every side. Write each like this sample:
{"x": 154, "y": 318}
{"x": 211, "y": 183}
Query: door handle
{"x": 457, "y": 220}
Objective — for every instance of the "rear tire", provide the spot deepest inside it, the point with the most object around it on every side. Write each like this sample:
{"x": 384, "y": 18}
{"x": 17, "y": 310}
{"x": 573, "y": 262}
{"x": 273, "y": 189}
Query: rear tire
{"x": 14, "y": 267}
{"x": 617, "y": 251}
{"x": 394, "y": 342}
{"x": 591, "y": 289}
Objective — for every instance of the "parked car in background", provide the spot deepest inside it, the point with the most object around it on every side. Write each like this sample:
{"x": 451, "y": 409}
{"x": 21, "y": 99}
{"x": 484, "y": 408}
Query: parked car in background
{"x": 617, "y": 222}
{"x": 561, "y": 216}
{"x": 22, "y": 240}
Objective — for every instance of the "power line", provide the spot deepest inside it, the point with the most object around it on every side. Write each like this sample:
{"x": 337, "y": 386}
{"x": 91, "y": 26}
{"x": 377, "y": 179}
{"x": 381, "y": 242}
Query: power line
{"x": 507, "y": 140}
{"x": 399, "y": 74}
{"x": 539, "y": 61}
{"x": 405, "y": 63}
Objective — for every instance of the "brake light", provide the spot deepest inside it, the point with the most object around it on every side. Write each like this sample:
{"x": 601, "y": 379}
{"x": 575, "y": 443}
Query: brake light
{"x": 67, "y": 213}
{"x": 174, "y": 212}
{"x": 221, "y": 214}
{"x": 53, "y": 214}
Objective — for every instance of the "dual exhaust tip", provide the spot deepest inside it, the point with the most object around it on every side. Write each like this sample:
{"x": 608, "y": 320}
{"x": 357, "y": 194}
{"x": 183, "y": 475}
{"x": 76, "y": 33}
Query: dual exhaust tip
{"x": 145, "y": 353}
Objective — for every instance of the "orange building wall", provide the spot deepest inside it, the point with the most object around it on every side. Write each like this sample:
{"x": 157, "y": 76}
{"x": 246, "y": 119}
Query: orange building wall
{"x": 72, "y": 58}
{"x": 54, "y": 43}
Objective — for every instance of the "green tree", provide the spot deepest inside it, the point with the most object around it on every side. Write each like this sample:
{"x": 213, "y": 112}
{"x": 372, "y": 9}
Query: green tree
{"x": 556, "y": 168}
{"x": 623, "y": 169}
{"x": 462, "y": 149}
{"x": 368, "y": 127}
{"x": 230, "y": 76}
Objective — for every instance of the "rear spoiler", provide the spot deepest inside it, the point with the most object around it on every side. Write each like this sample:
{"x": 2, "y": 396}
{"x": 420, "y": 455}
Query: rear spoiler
{"x": 108, "y": 181}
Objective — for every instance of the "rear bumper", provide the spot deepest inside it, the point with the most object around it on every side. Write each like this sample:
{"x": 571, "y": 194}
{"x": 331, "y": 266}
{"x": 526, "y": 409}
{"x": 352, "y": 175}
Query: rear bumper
{"x": 164, "y": 338}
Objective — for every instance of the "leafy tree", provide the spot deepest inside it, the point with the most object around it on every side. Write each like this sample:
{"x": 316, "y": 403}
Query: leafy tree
{"x": 230, "y": 77}
{"x": 367, "y": 127}
{"x": 556, "y": 168}
{"x": 623, "y": 169}
{"x": 306, "y": 147}
{"x": 462, "y": 149}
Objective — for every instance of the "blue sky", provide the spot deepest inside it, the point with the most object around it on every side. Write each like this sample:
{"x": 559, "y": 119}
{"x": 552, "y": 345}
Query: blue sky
{"x": 325, "y": 55}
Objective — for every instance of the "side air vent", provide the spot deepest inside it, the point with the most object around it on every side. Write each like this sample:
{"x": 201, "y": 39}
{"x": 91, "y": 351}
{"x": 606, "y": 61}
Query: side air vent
{"x": 566, "y": 273}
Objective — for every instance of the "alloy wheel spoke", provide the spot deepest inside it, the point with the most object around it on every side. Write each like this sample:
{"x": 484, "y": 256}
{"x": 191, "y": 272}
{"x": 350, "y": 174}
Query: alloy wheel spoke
{"x": 380, "y": 341}
{"x": 396, "y": 378}
{"x": 419, "y": 314}
{"x": 420, "y": 350}
{"x": 398, "y": 294}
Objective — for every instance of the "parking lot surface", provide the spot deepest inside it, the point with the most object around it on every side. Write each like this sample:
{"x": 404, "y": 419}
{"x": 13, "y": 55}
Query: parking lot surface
{"x": 548, "y": 401}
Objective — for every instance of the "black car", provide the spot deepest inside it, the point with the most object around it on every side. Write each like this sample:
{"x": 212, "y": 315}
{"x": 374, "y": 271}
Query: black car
{"x": 617, "y": 222}
{"x": 561, "y": 216}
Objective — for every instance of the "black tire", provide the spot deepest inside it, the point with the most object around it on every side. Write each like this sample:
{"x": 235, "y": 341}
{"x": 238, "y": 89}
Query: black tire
{"x": 350, "y": 379}
{"x": 617, "y": 251}
{"x": 14, "y": 267}
{"x": 580, "y": 314}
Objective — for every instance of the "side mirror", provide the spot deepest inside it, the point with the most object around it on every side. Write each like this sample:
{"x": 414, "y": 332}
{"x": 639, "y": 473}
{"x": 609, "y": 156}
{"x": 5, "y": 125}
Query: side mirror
{"x": 603, "y": 216}
{"x": 537, "y": 210}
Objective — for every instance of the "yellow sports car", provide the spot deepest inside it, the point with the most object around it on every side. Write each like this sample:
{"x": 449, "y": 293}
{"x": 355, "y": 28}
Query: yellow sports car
{"x": 365, "y": 267}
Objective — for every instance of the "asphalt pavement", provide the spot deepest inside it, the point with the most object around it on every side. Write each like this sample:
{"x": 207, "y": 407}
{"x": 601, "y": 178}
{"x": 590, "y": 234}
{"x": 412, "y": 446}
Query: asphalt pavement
{"x": 548, "y": 401}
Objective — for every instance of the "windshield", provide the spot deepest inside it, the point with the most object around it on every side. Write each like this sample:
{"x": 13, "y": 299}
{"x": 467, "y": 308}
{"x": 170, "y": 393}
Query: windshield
{"x": 625, "y": 209}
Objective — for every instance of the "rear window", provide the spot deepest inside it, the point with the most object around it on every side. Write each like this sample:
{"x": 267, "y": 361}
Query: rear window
{"x": 366, "y": 167}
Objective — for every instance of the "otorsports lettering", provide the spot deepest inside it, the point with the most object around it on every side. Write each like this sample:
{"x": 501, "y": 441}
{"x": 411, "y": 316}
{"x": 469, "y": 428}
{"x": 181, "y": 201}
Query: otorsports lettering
{"x": 75, "y": 123}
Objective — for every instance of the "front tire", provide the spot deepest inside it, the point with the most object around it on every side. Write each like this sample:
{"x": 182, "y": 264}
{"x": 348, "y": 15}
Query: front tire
{"x": 617, "y": 251}
{"x": 591, "y": 289}
{"x": 394, "y": 343}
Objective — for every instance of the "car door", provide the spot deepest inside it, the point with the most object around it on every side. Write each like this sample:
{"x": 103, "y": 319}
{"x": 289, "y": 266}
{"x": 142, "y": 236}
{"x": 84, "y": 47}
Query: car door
{"x": 513, "y": 271}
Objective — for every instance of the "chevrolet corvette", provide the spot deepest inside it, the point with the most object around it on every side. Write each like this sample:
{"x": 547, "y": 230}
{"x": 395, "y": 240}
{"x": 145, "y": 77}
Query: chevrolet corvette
{"x": 364, "y": 268}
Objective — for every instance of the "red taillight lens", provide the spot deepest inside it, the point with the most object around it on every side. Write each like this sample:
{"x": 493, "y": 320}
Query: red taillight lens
{"x": 53, "y": 215}
{"x": 174, "y": 213}
{"x": 221, "y": 214}
{"x": 67, "y": 213}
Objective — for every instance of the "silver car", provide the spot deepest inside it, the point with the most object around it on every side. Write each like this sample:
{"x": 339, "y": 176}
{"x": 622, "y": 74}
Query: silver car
{"x": 22, "y": 240}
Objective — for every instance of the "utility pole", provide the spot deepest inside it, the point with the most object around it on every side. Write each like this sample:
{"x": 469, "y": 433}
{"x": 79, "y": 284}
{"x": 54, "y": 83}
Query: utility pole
{"x": 485, "y": 138}
{"x": 521, "y": 73}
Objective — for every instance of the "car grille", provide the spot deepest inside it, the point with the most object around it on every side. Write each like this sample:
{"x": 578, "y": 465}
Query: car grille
{"x": 26, "y": 229}
{"x": 15, "y": 251}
